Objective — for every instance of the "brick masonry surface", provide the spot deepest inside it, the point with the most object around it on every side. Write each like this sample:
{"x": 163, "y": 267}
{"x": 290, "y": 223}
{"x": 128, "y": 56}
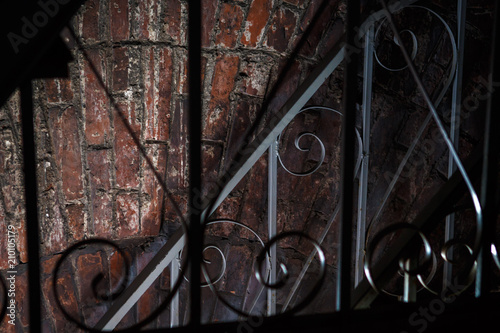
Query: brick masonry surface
{"x": 123, "y": 110}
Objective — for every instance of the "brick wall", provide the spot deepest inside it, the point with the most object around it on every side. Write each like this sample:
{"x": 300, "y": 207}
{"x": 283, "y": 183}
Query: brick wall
{"x": 94, "y": 181}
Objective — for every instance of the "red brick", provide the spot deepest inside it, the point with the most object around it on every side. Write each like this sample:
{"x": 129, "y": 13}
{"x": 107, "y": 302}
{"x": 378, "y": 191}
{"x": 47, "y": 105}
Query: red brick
{"x": 171, "y": 215}
{"x": 243, "y": 118}
{"x": 98, "y": 164}
{"x": 102, "y": 214}
{"x": 258, "y": 16}
{"x": 172, "y": 22}
{"x": 231, "y": 17}
{"x": 239, "y": 263}
{"x": 319, "y": 25}
{"x": 147, "y": 17}
{"x": 58, "y": 90}
{"x": 52, "y": 225}
{"x": 91, "y": 14}
{"x": 217, "y": 118}
{"x": 120, "y": 69}
{"x": 286, "y": 86}
{"x": 208, "y": 20}
{"x": 97, "y": 123}
{"x": 255, "y": 76}
{"x": 117, "y": 270}
{"x": 149, "y": 299}
{"x": 22, "y": 240}
{"x": 67, "y": 298}
{"x": 127, "y": 159}
{"x": 76, "y": 221}
{"x": 158, "y": 94}
{"x": 87, "y": 267}
{"x": 119, "y": 20}
{"x": 281, "y": 30}
{"x": 66, "y": 142}
{"x": 127, "y": 214}
{"x": 151, "y": 210}
{"x": 4, "y": 260}
{"x": 177, "y": 153}
{"x": 211, "y": 158}
{"x": 257, "y": 185}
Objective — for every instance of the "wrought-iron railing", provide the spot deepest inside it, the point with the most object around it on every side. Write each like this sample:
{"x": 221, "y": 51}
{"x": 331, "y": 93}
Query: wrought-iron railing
{"x": 368, "y": 279}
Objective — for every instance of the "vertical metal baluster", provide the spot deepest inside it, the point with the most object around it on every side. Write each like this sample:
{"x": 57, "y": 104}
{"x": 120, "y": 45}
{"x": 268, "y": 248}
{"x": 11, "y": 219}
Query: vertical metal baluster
{"x": 455, "y": 126}
{"x": 271, "y": 213}
{"x": 490, "y": 168}
{"x": 195, "y": 231}
{"x": 31, "y": 197}
{"x": 343, "y": 295}
{"x": 174, "y": 304}
{"x": 363, "y": 178}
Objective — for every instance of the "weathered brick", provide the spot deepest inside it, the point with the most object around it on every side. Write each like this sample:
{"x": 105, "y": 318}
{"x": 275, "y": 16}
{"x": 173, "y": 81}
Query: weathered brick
{"x": 257, "y": 185}
{"x": 172, "y": 23}
{"x": 76, "y": 221}
{"x": 127, "y": 159}
{"x": 120, "y": 69}
{"x": 67, "y": 296}
{"x": 22, "y": 240}
{"x": 316, "y": 24}
{"x": 281, "y": 29}
{"x": 176, "y": 177}
{"x": 90, "y": 24}
{"x": 285, "y": 87}
{"x": 226, "y": 69}
{"x": 158, "y": 94}
{"x": 239, "y": 261}
{"x": 208, "y": 20}
{"x": 97, "y": 122}
{"x": 211, "y": 159}
{"x": 231, "y": 18}
{"x": 257, "y": 18}
{"x": 151, "y": 209}
{"x": 58, "y": 90}
{"x": 66, "y": 141}
{"x": 119, "y": 20}
{"x": 255, "y": 72}
{"x": 52, "y": 224}
{"x": 88, "y": 265}
{"x": 102, "y": 214}
{"x": 127, "y": 214}
{"x": 98, "y": 165}
{"x": 117, "y": 272}
{"x": 243, "y": 118}
{"x": 149, "y": 299}
{"x": 146, "y": 16}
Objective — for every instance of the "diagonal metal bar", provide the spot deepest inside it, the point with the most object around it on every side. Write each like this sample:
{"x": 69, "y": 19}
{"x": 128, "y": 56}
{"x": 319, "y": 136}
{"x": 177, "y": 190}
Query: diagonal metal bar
{"x": 253, "y": 152}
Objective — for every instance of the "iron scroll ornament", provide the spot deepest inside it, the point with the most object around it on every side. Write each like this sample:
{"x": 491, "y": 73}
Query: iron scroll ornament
{"x": 473, "y": 251}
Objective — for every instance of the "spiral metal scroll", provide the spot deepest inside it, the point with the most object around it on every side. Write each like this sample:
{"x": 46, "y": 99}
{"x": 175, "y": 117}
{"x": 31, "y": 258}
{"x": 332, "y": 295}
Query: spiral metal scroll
{"x": 264, "y": 258}
{"x": 123, "y": 283}
{"x": 473, "y": 251}
{"x": 318, "y": 140}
